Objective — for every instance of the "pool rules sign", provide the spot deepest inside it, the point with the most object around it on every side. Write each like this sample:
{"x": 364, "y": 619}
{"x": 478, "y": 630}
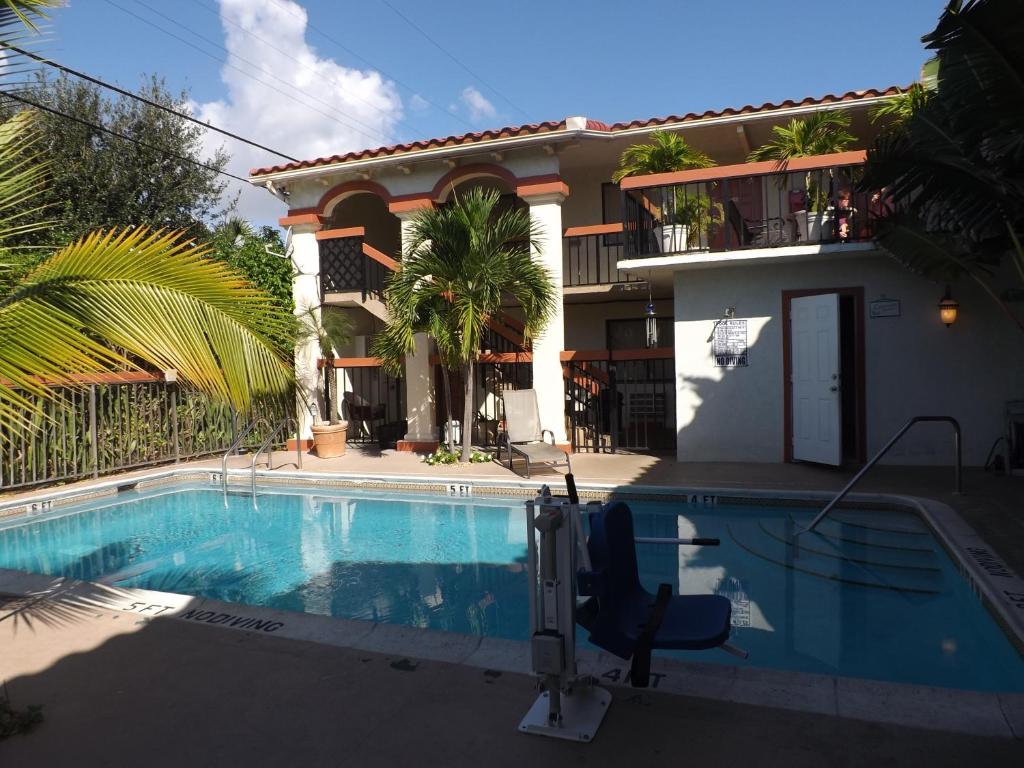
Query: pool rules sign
{"x": 729, "y": 345}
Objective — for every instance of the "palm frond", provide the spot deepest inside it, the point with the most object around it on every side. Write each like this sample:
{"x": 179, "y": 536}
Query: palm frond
{"x": 821, "y": 133}
{"x": 666, "y": 152}
{"x": 151, "y": 295}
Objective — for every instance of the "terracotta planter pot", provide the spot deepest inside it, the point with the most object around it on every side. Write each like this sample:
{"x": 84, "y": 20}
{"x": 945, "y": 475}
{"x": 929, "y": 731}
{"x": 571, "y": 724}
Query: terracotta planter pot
{"x": 329, "y": 439}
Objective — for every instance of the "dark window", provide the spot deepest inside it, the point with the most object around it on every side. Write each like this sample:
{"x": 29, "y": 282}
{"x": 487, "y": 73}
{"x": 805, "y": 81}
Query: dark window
{"x": 631, "y": 333}
{"x": 611, "y": 210}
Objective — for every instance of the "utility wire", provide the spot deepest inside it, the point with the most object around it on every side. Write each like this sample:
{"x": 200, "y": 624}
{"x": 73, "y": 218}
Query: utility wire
{"x": 150, "y": 102}
{"x": 306, "y": 67}
{"x": 132, "y": 139}
{"x": 372, "y": 65}
{"x": 452, "y": 56}
{"x": 371, "y": 137}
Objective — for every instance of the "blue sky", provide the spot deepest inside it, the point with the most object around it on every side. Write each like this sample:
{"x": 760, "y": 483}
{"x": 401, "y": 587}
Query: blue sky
{"x": 379, "y": 80}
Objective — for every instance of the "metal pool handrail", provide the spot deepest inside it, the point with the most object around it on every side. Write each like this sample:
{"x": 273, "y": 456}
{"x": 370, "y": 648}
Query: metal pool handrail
{"x": 233, "y": 448}
{"x": 958, "y": 468}
{"x": 282, "y": 424}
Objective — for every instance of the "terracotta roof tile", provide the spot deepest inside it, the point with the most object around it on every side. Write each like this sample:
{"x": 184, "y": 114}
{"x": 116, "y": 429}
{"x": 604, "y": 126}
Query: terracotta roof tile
{"x": 550, "y": 126}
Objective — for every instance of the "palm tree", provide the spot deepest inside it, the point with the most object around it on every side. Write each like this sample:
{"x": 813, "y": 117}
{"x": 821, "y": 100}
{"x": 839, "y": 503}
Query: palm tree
{"x": 822, "y": 133}
{"x": 900, "y": 108}
{"x": 330, "y": 327}
{"x": 461, "y": 261}
{"x": 119, "y": 300}
{"x": 667, "y": 152}
{"x": 956, "y": 169}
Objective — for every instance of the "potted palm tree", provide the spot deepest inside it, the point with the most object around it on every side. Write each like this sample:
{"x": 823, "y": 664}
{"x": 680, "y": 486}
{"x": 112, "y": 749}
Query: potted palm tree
{"x": 330, "y": 327}
{"x": 460, "y": 262}
{"x": 822, "y": 133}
{"x": 685, "y": 215}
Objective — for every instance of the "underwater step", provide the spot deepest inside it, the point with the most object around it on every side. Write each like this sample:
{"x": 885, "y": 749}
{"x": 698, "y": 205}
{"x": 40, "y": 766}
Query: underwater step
{"x": 749, "y": 536}
{"x": 886, "y": 521}
{"x": 875, "y": 557}
{"x": 839, "y": 531}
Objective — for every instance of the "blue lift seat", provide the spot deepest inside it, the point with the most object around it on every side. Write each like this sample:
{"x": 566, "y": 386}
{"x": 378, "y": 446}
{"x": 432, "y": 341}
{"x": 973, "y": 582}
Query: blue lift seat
{"x": 625, "y": 619}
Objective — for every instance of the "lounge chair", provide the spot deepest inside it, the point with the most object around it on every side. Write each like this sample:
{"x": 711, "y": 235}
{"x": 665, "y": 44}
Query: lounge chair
{"x": 624, "y": 618}
{"x": 523, "y": 434}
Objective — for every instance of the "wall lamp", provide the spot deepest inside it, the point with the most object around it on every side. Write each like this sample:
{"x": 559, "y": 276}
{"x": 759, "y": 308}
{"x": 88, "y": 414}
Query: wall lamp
{"x": 948, "y": 308}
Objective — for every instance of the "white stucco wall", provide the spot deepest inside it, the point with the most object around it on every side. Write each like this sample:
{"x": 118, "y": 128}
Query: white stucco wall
{"x": 914, "y": 364}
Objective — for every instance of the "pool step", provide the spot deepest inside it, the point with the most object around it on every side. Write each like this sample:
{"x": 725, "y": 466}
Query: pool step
{"x": 875, "y": 557}
{"x": 885, "y": 521}
{"x": 750, "y": 536}
{"x": 860, "y": 536}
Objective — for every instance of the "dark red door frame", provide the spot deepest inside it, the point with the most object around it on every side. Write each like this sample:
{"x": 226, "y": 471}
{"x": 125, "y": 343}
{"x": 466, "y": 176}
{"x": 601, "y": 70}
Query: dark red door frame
{"x": 860, "y": 376}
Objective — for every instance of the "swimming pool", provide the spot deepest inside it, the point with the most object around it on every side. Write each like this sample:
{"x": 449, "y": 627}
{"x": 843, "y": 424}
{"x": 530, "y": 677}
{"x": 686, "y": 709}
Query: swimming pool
{"x": 872, "y": 595}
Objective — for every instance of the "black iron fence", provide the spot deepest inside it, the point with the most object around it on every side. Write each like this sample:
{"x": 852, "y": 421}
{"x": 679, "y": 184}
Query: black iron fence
{"x": 623, "y": 400}
{"x": 590, "y": 256}
{"x": 814, "y": 202}
{"x": 372, "y": 403}
{"x": 98, "y": 429}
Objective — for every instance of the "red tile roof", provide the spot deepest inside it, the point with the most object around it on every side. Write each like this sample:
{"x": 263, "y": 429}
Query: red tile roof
{"x": 532, "y": 129}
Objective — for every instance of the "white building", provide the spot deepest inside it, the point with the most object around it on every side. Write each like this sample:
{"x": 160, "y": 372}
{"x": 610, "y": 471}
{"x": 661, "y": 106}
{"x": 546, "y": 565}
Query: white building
{"x": 784, "y": 332}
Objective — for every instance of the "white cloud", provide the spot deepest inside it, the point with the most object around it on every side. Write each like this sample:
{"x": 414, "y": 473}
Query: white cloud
{"x": 418, "y": 103}
{"x": 479, "y": 107}
{"x": 335, "y": 109}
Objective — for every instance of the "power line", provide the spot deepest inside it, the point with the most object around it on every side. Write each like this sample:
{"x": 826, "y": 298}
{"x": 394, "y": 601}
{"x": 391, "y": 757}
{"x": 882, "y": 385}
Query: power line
{"x": 452, "y": 56}
{"x": 367, "y": 62}
{"x": 227, "y": 63}
{"x": 287, "y": 55}
{"x": 150, "y": 102}
{"x": 132, "y": 139}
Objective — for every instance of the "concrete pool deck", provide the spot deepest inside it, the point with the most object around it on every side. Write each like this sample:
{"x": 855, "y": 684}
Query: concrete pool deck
{"x": 118, "y": 688}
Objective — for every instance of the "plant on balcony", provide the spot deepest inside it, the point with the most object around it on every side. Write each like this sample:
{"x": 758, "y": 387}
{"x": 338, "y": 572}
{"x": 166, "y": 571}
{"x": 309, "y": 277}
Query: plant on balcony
{"x": 822, "y": 133}
{"x": 952, "y": 179}
{"x": 667, "y": 152}
{"x": 460, "y": 262}
{"x": 699, "y": 214}
{"x": 329, "y": 327}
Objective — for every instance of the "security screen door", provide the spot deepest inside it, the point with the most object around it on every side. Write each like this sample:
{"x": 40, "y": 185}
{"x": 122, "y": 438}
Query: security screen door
{"x": 817, "y": 416}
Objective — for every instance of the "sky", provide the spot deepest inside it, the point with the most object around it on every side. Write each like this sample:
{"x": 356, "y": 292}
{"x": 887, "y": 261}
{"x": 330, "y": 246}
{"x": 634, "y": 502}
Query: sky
{"x": 319, "y": 77}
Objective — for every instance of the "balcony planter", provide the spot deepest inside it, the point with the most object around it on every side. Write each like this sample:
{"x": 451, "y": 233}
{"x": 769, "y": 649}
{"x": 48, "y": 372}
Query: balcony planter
{"x": 674, "y": 237}
{"x": 329, "y": 439}
{"x": 815, "y": 226}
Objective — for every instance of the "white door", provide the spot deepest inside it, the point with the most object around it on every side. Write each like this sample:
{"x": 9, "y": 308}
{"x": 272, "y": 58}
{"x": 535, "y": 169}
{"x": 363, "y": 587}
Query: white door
{"x": 817, "y": 425}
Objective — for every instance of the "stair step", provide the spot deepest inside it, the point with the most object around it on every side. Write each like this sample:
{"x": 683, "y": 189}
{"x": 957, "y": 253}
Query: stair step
{"x": 749, "y": 536}
{"x": 889, "y": 522}
{"x": 837, "y": 530}
{"x": 875, "y": 557}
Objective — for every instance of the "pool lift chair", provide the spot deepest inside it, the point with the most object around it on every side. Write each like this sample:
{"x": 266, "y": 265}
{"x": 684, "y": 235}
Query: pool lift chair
{"x": 622, "y": 617}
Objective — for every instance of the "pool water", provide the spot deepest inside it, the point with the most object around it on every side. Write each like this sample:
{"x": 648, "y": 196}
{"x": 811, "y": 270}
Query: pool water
{"x": 869, "y": 594}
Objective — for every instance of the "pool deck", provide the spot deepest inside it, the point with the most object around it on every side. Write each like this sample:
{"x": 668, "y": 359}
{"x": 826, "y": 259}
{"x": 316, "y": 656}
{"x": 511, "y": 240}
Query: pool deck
{"x": 121, "y": 689}
{"x": 118, "y": 687}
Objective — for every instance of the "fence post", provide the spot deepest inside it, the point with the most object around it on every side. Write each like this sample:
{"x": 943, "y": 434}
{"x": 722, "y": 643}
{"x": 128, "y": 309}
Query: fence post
{"x": 94, "y": 453}
{"x": 613, "y": 407}
{"x": 174, "y": 420}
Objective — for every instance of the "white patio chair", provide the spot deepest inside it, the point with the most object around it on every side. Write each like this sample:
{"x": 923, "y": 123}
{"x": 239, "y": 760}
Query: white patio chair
{"x": 523, "y": 434}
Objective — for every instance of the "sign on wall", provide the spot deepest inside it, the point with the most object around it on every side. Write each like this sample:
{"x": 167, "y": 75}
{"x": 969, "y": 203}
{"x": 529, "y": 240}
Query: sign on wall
{"x": 885, "y": 308}
{"x": 730, "y": 344}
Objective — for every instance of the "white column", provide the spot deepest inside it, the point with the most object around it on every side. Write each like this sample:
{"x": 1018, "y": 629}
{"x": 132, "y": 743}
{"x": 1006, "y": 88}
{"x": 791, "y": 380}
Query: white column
{"x": 419, "y": 374}
{"x": 305, "y": 253}
{"x": 546, "y": 215}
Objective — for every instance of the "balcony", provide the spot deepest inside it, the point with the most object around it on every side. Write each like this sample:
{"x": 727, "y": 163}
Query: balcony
{"x": 810, "y": 201}
{"x": 349, "y": 265}
{"x": 591, "y": 255}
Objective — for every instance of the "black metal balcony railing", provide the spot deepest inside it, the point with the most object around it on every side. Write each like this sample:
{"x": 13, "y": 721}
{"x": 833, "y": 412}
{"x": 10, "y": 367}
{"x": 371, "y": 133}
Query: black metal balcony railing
{"x": 591, "y": 254}
{"x": 814, "y": 201}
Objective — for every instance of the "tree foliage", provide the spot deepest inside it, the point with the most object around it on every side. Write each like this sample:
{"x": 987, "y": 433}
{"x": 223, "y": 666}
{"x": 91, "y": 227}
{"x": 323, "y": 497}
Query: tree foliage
{"x": 665, "y": 152}
{"x": 100, "y": 181}
{"x": 821, "y": 133}
{"x": 955, "y": 169}
{"x": 462, "y": 260}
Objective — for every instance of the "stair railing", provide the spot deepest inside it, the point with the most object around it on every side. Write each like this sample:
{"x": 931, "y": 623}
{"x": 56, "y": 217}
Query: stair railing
{"x": 283, "y": 424}
{"x": 958, "y": 468}
{"x": 233, "y": 449}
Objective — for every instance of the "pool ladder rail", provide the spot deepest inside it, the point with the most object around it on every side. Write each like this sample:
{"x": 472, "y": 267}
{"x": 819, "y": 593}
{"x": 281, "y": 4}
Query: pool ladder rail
{"x": 273, "y": 434}
{"x": 957, "y": 468}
